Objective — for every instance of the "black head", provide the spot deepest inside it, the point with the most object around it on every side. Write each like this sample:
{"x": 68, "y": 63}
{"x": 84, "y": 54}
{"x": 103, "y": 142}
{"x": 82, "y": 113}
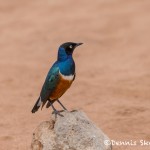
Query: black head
{"x": 69, "y": 47}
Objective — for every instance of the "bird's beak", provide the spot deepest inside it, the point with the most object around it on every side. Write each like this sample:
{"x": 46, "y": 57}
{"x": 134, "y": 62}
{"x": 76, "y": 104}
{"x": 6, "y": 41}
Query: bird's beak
{"x": 78, "y": 44}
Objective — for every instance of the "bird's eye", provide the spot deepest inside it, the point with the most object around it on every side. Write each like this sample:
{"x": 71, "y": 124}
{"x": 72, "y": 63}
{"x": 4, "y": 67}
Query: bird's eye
{"x": 71, "y": 46}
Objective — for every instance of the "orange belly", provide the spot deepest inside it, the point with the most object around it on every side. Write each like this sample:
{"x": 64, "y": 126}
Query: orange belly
{"x": 61, "y": 88}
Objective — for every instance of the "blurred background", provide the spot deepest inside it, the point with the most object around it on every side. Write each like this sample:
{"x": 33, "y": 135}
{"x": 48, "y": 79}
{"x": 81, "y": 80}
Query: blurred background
{"x": 113, "y": 65}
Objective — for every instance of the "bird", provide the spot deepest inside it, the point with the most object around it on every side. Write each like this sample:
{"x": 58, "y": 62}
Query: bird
{"x": 59, "y": 78}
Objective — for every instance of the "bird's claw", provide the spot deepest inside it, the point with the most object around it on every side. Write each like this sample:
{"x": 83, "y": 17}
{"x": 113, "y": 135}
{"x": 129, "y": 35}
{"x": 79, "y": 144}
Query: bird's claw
{"x": 56, "y": 112}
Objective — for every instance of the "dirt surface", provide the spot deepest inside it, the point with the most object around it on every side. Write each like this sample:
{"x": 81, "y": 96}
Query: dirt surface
{"x": 113, "y": 66}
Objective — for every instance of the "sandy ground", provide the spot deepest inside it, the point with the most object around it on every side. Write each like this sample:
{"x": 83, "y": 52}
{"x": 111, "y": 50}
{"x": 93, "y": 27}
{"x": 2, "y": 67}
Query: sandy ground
{"x": 113, "y": 66}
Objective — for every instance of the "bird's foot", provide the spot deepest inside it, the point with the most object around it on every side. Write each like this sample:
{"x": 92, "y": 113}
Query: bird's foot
{"x": 56, "y": 112}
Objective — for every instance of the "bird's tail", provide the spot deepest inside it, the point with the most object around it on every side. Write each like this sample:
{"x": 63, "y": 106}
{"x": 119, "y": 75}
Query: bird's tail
{"x": 37, "y": 105}
{"x": 49, "y": 104}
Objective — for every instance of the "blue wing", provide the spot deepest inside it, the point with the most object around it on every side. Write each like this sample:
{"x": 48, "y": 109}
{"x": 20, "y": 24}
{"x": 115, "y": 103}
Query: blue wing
{"x": 50, "y": 83}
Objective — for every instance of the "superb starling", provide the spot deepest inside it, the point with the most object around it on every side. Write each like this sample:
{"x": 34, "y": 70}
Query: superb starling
{"x": 59, "y": 78}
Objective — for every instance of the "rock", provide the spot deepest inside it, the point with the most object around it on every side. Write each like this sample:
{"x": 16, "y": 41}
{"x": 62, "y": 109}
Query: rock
{"x": 74, "y": 131}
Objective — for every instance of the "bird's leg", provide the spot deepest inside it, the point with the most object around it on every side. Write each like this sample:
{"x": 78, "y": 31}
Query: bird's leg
{"x": 56, "y": 112}
{"x": 61, "y": 104}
